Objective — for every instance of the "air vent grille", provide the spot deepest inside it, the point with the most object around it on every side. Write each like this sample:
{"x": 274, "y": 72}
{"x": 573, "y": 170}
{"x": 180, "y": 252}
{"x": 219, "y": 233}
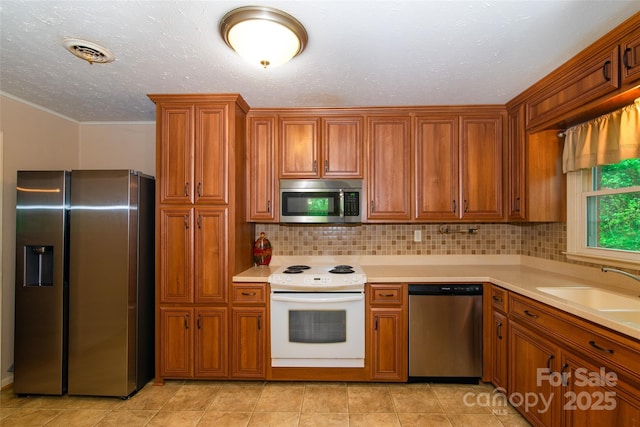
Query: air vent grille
{"x": 90, "y": 52}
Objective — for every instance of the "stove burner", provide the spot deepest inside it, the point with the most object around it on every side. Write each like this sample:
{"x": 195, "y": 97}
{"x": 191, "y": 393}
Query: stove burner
{"x": 298, "y": 267}
{"x": 292, "y": 271}
{"x": 342, "y": 269}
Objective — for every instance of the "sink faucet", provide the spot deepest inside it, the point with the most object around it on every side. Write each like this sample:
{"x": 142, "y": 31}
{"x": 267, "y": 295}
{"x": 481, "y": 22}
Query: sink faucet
{"x": 615, "y": 270}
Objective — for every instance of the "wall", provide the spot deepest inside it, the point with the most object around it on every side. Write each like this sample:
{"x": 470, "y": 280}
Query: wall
{"x": 35, "y": 138}
{"x": 128, "y": 145}
{"x": 539, "y": 240}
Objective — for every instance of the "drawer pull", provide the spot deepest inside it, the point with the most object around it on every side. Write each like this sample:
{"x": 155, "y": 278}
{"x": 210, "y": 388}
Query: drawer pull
{"x": 387, "y": 295}
{"x": 497, "y": 299}
{"x": 597, "y": 347}
{"x": 249, "y": 294}
{"x": 530, "y": 314}
{"x": 625, "y": 58}
{"x": 605, "y": 71}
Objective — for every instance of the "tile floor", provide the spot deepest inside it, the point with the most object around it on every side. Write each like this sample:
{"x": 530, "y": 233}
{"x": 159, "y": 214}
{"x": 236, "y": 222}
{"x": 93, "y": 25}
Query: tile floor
{"x": 227, "y": 403}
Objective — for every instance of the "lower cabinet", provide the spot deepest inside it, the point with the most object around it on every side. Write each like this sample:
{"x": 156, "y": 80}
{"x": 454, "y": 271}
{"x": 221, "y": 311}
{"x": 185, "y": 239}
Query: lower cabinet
{"x": 532, "y": 357}
{"x": 248, "y": 342}
{"x": 201, "y": 332}
{"x": 249, "y": 330}
{"x": 563, "y": 370}
{"x": 387, "y": 331}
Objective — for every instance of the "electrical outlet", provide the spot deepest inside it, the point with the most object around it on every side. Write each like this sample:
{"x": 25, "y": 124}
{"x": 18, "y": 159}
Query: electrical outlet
{"x": 417, "y": 235}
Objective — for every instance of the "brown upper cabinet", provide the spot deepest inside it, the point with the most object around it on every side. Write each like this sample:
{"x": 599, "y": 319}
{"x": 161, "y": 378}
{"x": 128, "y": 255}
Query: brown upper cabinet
{"x": 389, "y": 168}
{"x": 316, "y": 147}
{"x": 597, "y": 80}
{"x": 261, "y": 167}
{"x": 194, "y": 153}
{"x": 458, "y": 162}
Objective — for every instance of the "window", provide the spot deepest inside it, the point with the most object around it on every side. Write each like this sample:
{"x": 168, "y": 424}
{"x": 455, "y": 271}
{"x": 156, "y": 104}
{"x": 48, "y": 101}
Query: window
{"x": 603, "y": 214}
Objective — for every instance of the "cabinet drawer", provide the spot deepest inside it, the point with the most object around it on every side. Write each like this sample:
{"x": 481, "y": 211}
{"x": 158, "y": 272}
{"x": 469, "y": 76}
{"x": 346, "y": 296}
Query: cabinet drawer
{"x": 615, "y": 351}
{"x": 249, "y": 293}
{"x": 499, "y": 299}
{"x": 386, "y": 294}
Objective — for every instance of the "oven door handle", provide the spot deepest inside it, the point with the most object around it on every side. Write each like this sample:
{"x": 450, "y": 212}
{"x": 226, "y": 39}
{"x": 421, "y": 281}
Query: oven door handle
{"x": 276, "y": 297}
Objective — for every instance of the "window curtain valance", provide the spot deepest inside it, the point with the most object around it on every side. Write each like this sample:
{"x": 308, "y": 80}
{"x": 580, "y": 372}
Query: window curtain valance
{"x": 607, "y": 139}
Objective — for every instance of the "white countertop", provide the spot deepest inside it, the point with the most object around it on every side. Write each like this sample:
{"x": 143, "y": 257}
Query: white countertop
{"x": 519, "y": 274}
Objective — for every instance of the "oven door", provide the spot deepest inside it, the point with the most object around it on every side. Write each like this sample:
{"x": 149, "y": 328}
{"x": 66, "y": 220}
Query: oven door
{"x": 314, "y": 329}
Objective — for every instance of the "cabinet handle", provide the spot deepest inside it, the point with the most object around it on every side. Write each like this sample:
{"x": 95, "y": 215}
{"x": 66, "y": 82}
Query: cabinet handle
{"x": 315, "y": 166}
{"x": 530, "y": 314}
{"x": 454, "y": 206}
{"x": 198, "y": 221}
{"x": 326, "y": 165}
{"x": 249, "y": 294}
{"x": 605, "y": 70}
{"x": 563, "y": 374}
{"x": 625, "y": 58}
{"x": 199, "y": 189}
{"x": 186, "y": 222}
{"x": 186, "y": 189}
{"x": 597, "y": 347}
{"x": 499, "y": 330}
{"x": 372, "y": 208}
{"x": 198, "y": 322}
{"x": 375, "y": 325}
{"x": 517, "y": 209}
{"x": 186, "y": 321}
{"x": 497, "y": 299}
{"x": 466, "y": 206}
{"x": 259, "y": 322}
{"x": 268, "y": 206}
{"x": 551, "y": 357}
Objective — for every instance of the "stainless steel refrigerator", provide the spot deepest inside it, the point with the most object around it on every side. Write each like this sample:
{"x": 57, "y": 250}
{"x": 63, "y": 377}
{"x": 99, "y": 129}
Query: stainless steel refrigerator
{"x": 110, "y": 265}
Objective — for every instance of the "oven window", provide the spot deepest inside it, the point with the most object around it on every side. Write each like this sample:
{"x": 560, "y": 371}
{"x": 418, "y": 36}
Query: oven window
{"x": 317, "y": 326}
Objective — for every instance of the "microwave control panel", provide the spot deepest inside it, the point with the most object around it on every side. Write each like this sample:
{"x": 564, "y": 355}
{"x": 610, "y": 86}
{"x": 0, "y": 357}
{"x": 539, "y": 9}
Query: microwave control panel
{"x": 351, "y": 203}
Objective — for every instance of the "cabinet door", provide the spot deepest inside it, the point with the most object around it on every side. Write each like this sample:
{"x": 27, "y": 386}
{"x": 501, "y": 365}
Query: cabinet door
{"x": 176, "y": 154}
{"x": 592, "y": 78}
{"x": 211, "y": 157}
{"x": 516, "y": 164}
{"x": 388, "y": 337}
{"x": 176, "y": 255}
{"x": 630, "y": 51}
{"x": 531, "y": 356}
{"x": 211, "y": 255}
{"x": 248, "y": 342}
{"x": 176, "y": 342}
{"x": 591, "y": 399}
{"x": 481, "y": 178}
{"x": 499, "y": 350}
{"x": 342, "y": 147}
{"x": 263, "y": 197}
{"x": 436, "y": 162}
{"x": 389, "y": 173}
{"x": 211, "y": 347}
{"x": 299, "y": 139}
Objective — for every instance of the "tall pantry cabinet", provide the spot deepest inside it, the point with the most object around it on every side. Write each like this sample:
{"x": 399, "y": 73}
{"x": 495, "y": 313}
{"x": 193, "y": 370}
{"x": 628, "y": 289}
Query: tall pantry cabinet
{"x": 203, "y": 237}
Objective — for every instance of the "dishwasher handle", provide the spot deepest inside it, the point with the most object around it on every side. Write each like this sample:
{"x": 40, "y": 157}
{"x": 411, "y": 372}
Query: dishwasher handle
{"x": 458, "y": 289}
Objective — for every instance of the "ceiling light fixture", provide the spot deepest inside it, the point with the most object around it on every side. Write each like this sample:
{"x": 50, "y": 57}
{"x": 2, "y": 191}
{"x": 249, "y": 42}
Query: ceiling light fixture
{"x": 263, "y": 35}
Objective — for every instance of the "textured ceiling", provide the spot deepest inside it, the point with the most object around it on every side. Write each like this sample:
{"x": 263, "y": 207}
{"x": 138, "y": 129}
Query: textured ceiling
{"x": 360, "y": 53}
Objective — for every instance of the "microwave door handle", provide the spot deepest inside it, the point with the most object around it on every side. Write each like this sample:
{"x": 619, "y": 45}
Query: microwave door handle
{"x": 341, "y": 203}
{"x": 276, "y": 297}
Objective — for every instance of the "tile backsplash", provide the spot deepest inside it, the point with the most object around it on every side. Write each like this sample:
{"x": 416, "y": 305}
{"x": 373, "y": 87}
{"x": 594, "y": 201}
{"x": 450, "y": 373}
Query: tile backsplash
{"x": 547, "y": 240}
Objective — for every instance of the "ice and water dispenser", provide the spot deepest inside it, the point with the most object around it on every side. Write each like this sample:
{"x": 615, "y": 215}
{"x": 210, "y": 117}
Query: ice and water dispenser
{"x": 38, "y": 265}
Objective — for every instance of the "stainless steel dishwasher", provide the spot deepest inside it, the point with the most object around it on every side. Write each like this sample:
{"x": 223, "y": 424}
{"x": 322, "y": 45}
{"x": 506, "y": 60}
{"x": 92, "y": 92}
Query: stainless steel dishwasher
{"x": 445, "y": 332}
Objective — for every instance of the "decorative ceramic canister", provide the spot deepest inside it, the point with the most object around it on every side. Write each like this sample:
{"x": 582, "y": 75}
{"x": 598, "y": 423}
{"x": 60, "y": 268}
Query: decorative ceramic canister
{"x": 262, "y": 250}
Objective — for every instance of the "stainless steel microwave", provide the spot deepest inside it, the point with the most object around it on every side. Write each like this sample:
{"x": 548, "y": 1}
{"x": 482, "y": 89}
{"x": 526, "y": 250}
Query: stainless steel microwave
{"x": 320, "y": 201}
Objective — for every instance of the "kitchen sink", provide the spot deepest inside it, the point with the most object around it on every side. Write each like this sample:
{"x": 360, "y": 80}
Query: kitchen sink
{"x": 598, "y": 299}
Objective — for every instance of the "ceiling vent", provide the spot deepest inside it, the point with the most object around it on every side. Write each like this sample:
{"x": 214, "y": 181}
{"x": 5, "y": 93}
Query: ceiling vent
{"x": 90, "y": 52}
